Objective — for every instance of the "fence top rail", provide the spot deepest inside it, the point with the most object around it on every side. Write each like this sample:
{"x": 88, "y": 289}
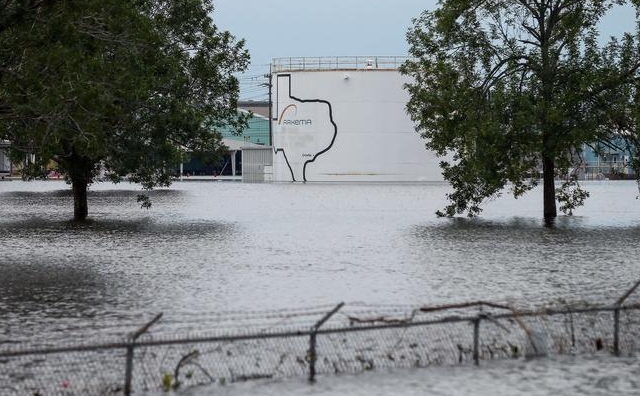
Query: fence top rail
{"x": 338, "y": 63}
{"x": 622, "y": 299}
{"x": 360, "y": 326}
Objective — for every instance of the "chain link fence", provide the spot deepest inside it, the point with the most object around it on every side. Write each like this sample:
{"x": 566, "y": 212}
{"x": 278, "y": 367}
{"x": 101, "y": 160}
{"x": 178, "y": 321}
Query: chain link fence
{"x": 241, "y": 346}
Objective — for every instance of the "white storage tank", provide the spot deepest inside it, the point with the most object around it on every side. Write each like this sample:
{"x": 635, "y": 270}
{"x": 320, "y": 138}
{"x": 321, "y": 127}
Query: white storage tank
{"x": 344, "y": 119}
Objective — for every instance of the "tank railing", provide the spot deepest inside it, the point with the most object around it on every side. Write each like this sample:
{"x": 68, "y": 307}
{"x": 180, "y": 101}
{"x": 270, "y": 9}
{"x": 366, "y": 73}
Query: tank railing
{"x": 338, "y": 63}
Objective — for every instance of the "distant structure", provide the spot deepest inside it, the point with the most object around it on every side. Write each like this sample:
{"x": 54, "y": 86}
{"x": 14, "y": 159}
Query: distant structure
{"x": 6, "y": 168}
{"x": 343, "y": 119}
{"x": 255, "y": 136}
{"x": 600, "y": 162}
{"x": 257, "y": 107}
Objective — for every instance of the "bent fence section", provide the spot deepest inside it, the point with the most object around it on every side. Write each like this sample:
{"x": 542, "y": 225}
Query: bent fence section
{"x": 326, "y": 340}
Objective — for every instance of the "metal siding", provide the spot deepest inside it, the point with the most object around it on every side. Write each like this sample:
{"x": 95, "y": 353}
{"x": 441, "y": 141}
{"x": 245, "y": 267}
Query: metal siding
{"x": 257, "y": 164}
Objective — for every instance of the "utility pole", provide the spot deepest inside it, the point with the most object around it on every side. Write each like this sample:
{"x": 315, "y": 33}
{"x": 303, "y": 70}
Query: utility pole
{"x": 269, "y": 85}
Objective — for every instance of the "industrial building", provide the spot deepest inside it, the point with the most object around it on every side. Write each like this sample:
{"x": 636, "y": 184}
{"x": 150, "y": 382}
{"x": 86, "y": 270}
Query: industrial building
{"x": 343, "y": 119}
{"x": 255, "y": 136}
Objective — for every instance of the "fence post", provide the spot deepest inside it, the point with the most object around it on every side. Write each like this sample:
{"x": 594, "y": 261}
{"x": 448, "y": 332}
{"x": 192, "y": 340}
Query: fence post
{"x": 616, "y": 318}
{"x": 312, "y": 341}
{"x": 128, "y": 370}
{"x": 616, "y": 331}
{"x": 128, "y": 374}
{"x": 476, "y": 340}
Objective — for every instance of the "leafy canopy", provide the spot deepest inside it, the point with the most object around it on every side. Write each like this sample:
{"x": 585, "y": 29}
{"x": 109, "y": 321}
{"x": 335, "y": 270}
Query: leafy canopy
{"x": 122, "y": 85}
{"x": 506, "y": 90}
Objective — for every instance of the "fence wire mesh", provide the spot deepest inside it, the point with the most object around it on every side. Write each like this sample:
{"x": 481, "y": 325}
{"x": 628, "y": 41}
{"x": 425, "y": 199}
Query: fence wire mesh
{"x": 98, "y": 372}
{"x": 223, "y": 348}
{"x": 182, "y": 365}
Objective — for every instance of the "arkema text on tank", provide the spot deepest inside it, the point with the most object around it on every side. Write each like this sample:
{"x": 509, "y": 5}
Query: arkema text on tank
{"x": 343, "y": 119}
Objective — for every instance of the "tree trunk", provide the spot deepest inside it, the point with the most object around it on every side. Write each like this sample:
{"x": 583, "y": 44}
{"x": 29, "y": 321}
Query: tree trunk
{"x": 78, "y": 169}
{"x": 549, "y": 193}
{"x": 80, "y": 207}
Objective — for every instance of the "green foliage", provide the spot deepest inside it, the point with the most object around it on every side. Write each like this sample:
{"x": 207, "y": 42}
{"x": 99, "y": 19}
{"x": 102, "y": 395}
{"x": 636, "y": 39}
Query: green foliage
{"x": 144, "y": 201}
{"x": 571, "y": 195}
{"x": 510, "y": 90}
{"x": 117, "y": 86}
{"x": 167, "y": 381}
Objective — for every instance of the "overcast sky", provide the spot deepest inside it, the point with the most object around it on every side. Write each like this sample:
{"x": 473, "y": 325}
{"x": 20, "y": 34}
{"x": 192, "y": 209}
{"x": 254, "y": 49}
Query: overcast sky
{"x": 289, "y": 28}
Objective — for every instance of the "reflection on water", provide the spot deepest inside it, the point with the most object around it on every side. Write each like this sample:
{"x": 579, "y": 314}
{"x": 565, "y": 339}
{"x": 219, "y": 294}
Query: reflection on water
{"x": 228, "y": 246}
{"x": 519, "y": 259}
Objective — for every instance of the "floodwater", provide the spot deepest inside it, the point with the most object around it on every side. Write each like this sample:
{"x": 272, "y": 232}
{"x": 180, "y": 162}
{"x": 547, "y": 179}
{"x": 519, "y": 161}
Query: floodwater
{"x": 221, "y": 246}
{"x": 599, "y": 375}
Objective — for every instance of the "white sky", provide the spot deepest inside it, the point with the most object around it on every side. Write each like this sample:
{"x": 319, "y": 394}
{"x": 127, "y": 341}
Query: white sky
{"x": 291, "y": 28}
{"x": 284, "y": 28}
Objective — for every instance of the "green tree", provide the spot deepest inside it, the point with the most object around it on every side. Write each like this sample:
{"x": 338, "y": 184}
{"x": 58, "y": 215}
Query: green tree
{"x": 116, "y": 86}
{"x": 508, "y": 88}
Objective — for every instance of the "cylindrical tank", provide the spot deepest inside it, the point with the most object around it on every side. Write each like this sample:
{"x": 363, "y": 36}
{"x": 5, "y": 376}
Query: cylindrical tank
{"x": 344, "y": 119}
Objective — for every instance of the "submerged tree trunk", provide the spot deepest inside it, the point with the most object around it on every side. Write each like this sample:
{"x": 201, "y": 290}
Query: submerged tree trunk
{"x": 80, "y": 206}
{"x": 549, "y": 191}
{"x": 79, "y": 169}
